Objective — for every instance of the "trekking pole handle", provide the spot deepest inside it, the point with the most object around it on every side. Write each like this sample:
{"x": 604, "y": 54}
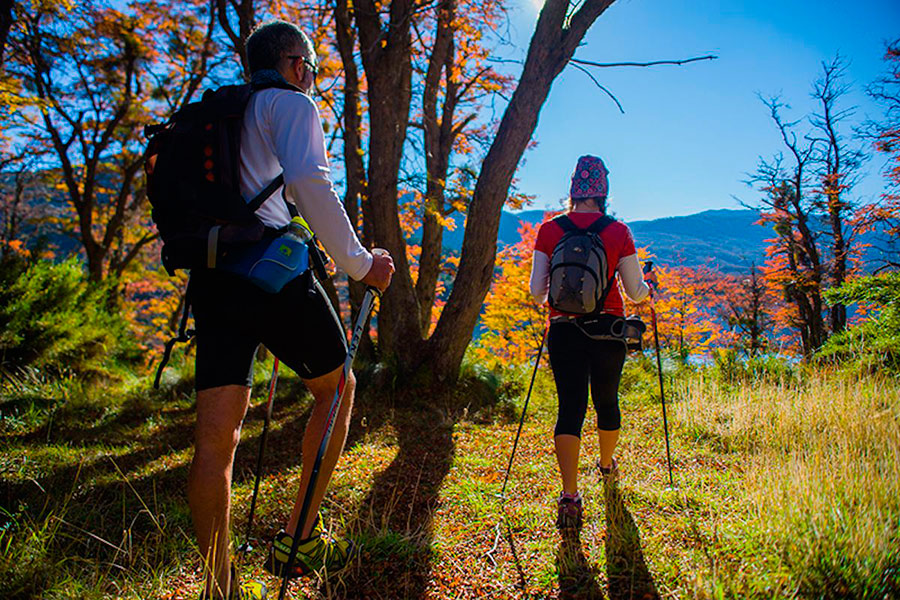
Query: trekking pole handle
{"x": 651, "y": 283}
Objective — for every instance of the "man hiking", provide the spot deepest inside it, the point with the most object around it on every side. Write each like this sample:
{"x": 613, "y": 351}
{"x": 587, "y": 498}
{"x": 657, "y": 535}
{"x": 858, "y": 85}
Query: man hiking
{"x": 281, "y": 132}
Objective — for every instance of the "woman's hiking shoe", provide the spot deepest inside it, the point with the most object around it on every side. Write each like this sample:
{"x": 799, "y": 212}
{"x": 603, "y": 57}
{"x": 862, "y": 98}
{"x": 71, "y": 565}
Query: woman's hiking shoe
{"x": 569, "y": 512}
{"x": 315, "y": 553}
{"x": 609, "y": 473}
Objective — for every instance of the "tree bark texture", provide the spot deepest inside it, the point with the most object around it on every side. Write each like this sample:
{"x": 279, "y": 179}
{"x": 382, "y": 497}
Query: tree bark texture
{"x": 385, "y": 49}
{"x": 439, "y": 138}
{"x": 351, "y": 116}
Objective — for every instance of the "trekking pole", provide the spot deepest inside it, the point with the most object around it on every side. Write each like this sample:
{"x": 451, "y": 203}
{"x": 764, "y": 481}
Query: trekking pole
{"x": 365, "y": 310}
{"x": 647, "y": 268}
{"x": 246, "y": 547}
{"x": 524, "y": 410}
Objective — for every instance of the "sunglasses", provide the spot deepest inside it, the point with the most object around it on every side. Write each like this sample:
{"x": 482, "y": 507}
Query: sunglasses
{"x": 311, "y": 66}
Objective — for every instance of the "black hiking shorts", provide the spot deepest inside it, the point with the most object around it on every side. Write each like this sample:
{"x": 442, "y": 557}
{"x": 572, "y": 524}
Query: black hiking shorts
{"x": 233, "y": 317}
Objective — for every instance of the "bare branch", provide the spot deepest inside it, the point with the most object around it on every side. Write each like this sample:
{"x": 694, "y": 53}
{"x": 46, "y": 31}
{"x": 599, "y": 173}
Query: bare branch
{"x": 597, "y": 83}
{"x": 133, "y": 252}
{"x": 682, "y": 61}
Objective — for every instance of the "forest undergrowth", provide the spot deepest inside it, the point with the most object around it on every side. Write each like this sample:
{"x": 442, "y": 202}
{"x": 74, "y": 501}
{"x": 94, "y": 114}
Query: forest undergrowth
{"x": 786, "y": 486}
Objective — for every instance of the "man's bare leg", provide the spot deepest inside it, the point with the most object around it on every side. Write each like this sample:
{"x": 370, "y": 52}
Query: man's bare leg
{"x": 323, "y": 390}
{"x": 220, "y": 412}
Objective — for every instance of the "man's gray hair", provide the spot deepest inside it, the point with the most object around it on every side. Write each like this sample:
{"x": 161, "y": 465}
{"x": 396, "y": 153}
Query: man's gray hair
{"x": 272, "y": 41}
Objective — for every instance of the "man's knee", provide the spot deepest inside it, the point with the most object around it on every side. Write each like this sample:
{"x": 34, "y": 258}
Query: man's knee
{"x": 350, "y": 386}
{"x": 323, "y": 388}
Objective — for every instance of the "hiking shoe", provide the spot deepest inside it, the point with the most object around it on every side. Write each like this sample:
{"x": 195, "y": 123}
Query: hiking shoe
{"x": 251, "y": 590}
{"x": 569, "y": 512}
{"x": 609, "y": 473}
{"x": 317, "y": 552}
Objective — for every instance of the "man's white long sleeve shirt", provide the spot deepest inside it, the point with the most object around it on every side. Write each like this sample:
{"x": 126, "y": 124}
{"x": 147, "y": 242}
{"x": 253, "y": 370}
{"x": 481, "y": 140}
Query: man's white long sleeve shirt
{"x": 282, "y": 132}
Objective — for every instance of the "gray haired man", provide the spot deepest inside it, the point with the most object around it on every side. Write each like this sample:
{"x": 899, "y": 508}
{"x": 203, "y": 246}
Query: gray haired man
{"x": 282, "y": 133}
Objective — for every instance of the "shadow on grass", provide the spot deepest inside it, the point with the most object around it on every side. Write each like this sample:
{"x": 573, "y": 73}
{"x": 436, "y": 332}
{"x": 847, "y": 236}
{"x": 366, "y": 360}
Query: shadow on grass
{"x": 136, "y": 527}
{"x": 520, "y": 571}
{"x": 577, "y": 577}
{"x": 626, "y": 568}
{"x": 394, "y": 523}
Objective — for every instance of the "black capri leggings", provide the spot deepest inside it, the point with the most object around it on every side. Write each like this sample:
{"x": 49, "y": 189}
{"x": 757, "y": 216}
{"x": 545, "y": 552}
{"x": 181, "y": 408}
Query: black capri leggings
{"x": 577, "y": 361}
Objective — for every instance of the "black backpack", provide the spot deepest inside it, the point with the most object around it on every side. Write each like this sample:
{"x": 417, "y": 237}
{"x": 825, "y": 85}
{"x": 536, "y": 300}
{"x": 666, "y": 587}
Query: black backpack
{"x": 192, "y": 163}
{"x": 578, "y": 268}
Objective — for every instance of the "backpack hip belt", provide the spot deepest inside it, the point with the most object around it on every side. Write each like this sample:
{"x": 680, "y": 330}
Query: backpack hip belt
{"x": 608, "y": 327}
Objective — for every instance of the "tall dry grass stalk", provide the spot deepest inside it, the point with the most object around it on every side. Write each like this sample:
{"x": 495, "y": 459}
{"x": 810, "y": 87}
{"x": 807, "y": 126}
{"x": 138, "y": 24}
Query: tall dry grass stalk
{"x": 822, "y": 474}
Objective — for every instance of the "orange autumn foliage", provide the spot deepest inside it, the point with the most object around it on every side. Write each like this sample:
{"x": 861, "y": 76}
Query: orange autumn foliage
{"x": 514, "y": 323}
{"x": 685, "y": 302}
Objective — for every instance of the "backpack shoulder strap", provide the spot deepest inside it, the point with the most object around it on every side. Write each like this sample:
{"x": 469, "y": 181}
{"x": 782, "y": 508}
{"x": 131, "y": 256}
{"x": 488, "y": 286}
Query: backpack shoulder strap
{"x": 565, "y": 223}
{"x": 276, "y": 183}
{"x": 601, "y": 224}
{"x": 267, "y": 191}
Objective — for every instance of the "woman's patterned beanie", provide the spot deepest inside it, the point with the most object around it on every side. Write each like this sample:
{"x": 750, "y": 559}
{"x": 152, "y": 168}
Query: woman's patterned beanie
{"x": 589, "y": 179}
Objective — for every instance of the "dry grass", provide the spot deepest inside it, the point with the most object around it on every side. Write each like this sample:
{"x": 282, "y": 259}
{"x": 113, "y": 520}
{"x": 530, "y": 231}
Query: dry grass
{"x": 822, "y": 477}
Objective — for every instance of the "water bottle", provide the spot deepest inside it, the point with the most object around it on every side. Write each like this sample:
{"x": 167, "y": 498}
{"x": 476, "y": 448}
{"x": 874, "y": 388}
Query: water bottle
{"x": 298, "y": 230}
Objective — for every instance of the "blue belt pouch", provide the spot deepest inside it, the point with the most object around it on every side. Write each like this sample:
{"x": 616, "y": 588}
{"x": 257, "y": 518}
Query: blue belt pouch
{"x": 271, "y": 265}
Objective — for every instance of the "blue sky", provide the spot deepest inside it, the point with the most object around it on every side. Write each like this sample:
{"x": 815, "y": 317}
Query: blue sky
{"x": 690, "y": 134}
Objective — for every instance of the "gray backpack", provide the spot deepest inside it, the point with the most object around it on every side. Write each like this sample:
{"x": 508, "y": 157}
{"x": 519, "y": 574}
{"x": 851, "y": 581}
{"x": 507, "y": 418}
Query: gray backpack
{"x": 579, "y": 267}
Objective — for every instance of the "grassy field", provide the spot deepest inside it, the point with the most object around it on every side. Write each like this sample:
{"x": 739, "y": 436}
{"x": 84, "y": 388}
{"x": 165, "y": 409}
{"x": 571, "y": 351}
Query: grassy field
{"x": 784, "y": 488}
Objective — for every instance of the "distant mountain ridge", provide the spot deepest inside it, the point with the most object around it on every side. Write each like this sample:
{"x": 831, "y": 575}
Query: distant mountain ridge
{"x": 727, "y": 239}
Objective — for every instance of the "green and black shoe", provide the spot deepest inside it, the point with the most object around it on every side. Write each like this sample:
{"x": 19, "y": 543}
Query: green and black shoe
{"x": 251, "y": 590}
{"x": 316, "y": 553}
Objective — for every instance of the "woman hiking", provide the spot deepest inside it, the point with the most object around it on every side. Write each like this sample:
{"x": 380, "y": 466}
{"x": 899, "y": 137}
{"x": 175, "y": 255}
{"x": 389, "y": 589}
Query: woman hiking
{"x": 585, "y": 349}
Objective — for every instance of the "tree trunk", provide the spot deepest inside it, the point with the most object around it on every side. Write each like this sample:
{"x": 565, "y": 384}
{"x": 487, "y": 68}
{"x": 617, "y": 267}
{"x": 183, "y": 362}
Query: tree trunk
{"x": 553, "y": 43}
{"x": 351, "y": 116}
{"x": 246, "y": 15}
{"x": 839, "y": 249}
{"x": 6, "y": 21}
{"x": 438, "y": 138}
{"x": 386, "y": 58}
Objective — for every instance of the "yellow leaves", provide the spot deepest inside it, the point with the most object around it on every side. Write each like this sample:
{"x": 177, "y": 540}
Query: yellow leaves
{"x": 410, "y": 209}
{"x": 446, "y": 222}
{"x": 514, "y": 322}
{"x": 518, "y": 200}
{"x": 11, "y": 98}
{"x": 686, "y": 303}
